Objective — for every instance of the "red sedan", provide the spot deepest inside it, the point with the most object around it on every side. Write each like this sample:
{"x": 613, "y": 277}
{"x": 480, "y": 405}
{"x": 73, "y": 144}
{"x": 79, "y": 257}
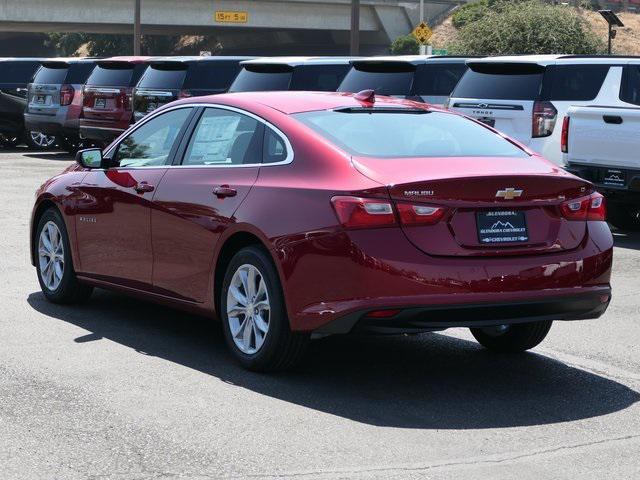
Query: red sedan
{"x": 290, "y": 215}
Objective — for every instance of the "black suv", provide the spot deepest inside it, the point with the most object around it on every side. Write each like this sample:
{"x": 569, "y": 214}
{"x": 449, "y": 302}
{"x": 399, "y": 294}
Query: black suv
{"x": 425, "y": 78}
{"x": 168, "y": 79}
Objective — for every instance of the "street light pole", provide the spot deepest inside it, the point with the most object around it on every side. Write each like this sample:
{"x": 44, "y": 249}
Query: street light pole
{"x": 137, "y": 34}
{"x": 355, "y": 27}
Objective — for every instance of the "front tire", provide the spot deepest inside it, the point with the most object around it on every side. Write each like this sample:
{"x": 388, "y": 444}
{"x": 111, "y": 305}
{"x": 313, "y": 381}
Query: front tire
{"x": 512, "y": 338}
{"x": 254, "y": 315}
{"x": 54, "y": 265}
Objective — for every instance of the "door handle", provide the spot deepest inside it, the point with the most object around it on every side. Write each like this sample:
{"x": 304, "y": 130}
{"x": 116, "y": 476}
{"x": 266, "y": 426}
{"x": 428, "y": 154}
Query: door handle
{"x": 224, "y": 191}
{"x": 615, "y": 119}
{"x": 144, "y": 187}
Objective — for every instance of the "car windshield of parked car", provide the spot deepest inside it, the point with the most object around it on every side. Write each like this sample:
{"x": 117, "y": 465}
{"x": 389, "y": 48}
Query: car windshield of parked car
{"x": 384, "y": 78}
{"x": 318, "y": 78}
{"x": 51, "y": 74}
{"x": 262, "y": 79}
{"x": 389, "y": 133}
{"x": 501, "y": 82}
{"x": 169, "y": 75}
{"x": 116, "y": 75}
{"x": 211, "y": 75}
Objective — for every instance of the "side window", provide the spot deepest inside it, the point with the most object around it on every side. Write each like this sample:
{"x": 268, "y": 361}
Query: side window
{"x": 151, "y": 144}
{"x": 630, "y": 87}
{"x": 224, "y": 137}
{"x": 274, "y": 149}
{"x": 577, "y": 82}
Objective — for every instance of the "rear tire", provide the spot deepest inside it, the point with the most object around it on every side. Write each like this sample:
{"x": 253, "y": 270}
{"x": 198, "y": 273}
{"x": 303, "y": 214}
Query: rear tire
{"x": 259, "y": 306}
{"x": 39, "y": 140}
{"x": 624, "y": 217}
{"x": 54, "y": 264}
{"x": 512, "y": 338}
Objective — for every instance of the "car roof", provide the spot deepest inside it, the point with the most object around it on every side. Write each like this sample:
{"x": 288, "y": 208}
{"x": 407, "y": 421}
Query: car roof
{"x": 297, "y": 61}
{"x": 124, "y": 59}
{"x": 413, "y": 59}
{"x": 194, "y": 58}
{"x": 290, "y": 102}
{"x": 22, "y": 59}
{"x": 70, "y": 60}
{"x": 544, "y": 60}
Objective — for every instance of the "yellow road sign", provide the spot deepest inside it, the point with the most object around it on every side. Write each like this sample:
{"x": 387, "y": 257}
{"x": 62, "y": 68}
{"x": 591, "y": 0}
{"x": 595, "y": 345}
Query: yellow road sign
{"x": 422, "y": 33}
{"x": 231, "y": 17}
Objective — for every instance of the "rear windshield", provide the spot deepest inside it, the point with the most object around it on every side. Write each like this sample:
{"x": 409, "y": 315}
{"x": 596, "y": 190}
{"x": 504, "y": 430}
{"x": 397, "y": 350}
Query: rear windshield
{"x": 318, "y": 78}
{"x": 51, "y": 74}
{"x": 255, "y": 80}
{"x": 212, "y": 75}
{"x": 393, "y": 134}
{"x": 17, "y": 72}
{"x": 501, "y": 82}
{"x": 114, "y": 75}
{"x": 438, "y": 79}
{"x": 164, "y": 76}
{"x": 385, "y": 79}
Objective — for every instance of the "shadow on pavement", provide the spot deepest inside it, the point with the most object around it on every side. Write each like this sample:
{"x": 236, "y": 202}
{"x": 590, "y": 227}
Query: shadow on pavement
{"x": 426, "y": 381}
{"x": 49, "y": 155}
{"x": 626, "y": 239}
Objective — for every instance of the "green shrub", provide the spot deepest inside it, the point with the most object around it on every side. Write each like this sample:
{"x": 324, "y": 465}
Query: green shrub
{"x": 469, "y": 13}
{"x": 406, "y": 45}
{"x": 527, "y": 27}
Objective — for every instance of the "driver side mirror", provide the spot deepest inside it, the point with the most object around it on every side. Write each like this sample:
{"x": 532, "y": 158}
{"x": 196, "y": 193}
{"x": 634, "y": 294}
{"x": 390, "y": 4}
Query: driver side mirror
{"x": 90, "y": 158}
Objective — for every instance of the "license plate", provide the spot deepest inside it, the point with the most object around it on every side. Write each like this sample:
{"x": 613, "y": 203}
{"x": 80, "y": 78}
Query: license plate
{"x": 502, "y": 226}
{"x": 488, "y": 121}
{"x": 614, "y": 177}
{"x": 100, "y": 103}
{"x": 39, "y": 99}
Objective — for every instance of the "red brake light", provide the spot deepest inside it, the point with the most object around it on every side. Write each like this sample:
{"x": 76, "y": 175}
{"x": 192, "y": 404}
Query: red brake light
{"x": 356, "y": 212}
{"x": 543, "y": 119}
{"x": 591, "y": 208}
{"x": 66, "y": 95}
{"x": 411, "y": 214}
{"x": 564, "y": 139}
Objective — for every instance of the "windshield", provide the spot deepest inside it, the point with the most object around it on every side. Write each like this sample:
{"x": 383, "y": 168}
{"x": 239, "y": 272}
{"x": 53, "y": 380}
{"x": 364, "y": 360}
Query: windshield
{"x": 318, "y": 78}
{"x": 51, "y": 74}
{"x": 117, "y": 75}
{"x": 417, "y": 133}
{"x": 501, "y": 82}
{"x": 384, "y": 78}
{"x": 261, "y": 81}
{"x": 17, "y": 72}
{"x": 164, "y": 76}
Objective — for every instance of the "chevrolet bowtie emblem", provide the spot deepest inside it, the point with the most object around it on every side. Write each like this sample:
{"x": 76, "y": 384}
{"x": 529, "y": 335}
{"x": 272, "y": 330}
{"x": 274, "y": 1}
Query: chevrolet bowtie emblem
{"x": 508, "y": 193}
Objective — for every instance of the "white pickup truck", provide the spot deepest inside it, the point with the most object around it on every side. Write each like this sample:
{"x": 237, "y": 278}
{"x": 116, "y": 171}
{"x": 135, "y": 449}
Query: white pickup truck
{"x": 602, "y": 145}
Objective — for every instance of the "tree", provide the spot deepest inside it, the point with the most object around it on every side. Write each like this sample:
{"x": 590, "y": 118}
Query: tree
{"x": 405, "y": 45}
{"x": 527, "y": 27}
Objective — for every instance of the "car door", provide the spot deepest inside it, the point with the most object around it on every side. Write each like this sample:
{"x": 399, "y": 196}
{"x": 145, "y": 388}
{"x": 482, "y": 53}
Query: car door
{"x": 198, "y": 197}
{"x": 113, "y": 220}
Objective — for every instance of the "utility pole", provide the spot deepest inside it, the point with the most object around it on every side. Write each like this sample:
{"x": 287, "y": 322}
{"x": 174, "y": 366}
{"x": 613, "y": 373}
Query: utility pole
{"x": 137, "y": 33}
{"x": 355, "y": 27}
{"x": 423, "y": 48}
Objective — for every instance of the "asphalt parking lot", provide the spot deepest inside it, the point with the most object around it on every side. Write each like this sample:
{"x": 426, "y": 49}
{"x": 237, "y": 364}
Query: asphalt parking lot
{"x": 123, "y": 389}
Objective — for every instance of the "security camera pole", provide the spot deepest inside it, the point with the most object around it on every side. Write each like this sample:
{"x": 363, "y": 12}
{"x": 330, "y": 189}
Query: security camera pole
{"x": 137, "y": 34}
{"x": 355, "y": 27}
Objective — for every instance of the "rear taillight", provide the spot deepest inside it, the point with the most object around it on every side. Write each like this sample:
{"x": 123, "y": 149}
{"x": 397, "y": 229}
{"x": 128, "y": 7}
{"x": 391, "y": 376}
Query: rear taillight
{"x": 356, "y": 212}
{"x": 124, "y": 99}
{"x": 411, "y": 214}
{"x": 592, "y": 207}
{"x": 184, "y": 94}
{"x": 66, "y": 95}
{"x": 544, "y": 119}
{"x": 564, "y": 138}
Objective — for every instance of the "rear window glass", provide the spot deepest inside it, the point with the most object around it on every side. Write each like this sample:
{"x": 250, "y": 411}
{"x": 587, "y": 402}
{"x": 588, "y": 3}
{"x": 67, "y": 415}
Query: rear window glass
{"x": 17, "y": 72}
{"x": 501, "y": 82}
{"x": 79, "y": 72}
{"x": 393, "y": 134}
{"x": 164, "y": 76}
{"x": 630, "y": 88}
{"x": 576, "y": 82}
{"x": 384, "y": 79}
{"x": 51, "y": 75}
{"x": 438, "y": 79}
{"x": 116, "y": 75}
{"x": 252, "y": 81}
{"x": 323, "y": 78}
{"x": 212, "y": 75}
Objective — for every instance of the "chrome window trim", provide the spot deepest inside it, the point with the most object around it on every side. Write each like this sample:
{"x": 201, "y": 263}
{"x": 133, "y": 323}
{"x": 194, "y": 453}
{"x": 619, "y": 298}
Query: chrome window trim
{"x": 151, "y": 116}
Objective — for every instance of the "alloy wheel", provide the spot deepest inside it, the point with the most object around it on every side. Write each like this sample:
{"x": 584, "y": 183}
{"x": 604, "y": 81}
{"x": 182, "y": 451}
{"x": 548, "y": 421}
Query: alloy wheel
{"x": 248, "y": 309}
{"x": 42, "y": 140}
{"x": 51, "y": 256}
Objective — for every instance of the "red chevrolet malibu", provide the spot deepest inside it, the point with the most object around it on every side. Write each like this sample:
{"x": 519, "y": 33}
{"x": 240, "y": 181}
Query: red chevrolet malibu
{"x": 291, "y": 214}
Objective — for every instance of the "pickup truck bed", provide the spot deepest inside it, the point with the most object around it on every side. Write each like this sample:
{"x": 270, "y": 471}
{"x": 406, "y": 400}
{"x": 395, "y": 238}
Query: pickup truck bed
{"x": 603, "y": 146}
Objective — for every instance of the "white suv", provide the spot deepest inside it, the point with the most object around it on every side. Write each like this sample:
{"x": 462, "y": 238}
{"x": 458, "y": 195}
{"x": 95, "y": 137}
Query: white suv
{"x": 527, "y": 97}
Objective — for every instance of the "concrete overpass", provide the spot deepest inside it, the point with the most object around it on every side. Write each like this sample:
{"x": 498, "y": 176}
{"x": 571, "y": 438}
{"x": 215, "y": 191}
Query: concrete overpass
{"x": 290, "y": 26}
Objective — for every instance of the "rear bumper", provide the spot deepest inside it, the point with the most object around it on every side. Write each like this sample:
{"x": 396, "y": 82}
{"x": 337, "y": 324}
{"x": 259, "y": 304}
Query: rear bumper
{"x": 629, "y": 193}
{"x": 57, "y": 124}
{"x": 417, "y": 319}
